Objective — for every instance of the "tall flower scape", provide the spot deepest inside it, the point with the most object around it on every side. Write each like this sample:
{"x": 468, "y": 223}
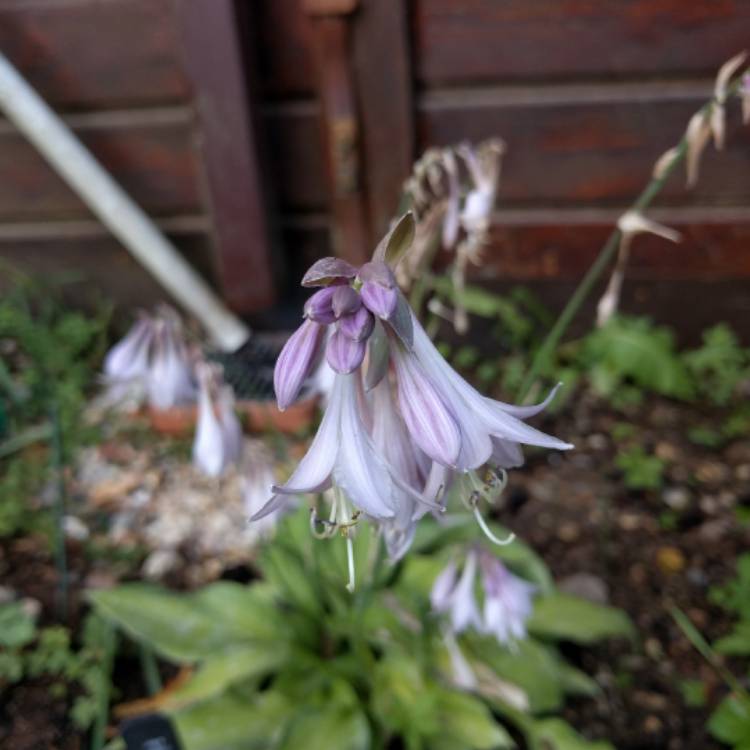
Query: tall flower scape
{"x": 401, "y": 426}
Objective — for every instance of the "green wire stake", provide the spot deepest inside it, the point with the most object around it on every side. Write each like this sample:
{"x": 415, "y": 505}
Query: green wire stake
{"x": 61, "y": 559}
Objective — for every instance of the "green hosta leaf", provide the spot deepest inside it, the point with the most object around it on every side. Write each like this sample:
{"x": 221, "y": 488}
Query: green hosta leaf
{"x": 233, "y": 723}
{"x": 220, "y": 671}
{"x": 187, "y": 627}
{"x": 17, "y": 628}
{"x": 564, "y": 617}
{"x": 401, "y": 701}
{"x": 467, "y": 723}
{"x": 328, "y": 727}
{"x": 635, "y": 348}
{"x": 576, "y": 682}
{"x": 531, "y": 666}
{"x": 737, "y": 643}
{"x": 730, "y": 722}
{"x": 555, "y": 734}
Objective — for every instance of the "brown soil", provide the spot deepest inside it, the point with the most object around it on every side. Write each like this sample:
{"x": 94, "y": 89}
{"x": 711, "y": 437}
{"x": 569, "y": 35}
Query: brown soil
{"x": 575, "y": 510}
{"x": 578, "y": 515}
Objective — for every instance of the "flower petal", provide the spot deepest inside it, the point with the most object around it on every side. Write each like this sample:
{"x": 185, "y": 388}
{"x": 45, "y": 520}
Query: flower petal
{"x": 313, "y": 472}
{"x": 320, "y": 308}
{"x": 209, "y": 454}
{"x": 379, "y": 299}
{"x": 129, "y": 358}
{"x": 344, "y": 301}
{"x": 429, "y": 419}
{"x": 357, "y": 325}
{"x": 343, "y": 354}
{"x": 359, "y": 471}
{"x": 328, "y": 271}
{"x": 296, "y": 361}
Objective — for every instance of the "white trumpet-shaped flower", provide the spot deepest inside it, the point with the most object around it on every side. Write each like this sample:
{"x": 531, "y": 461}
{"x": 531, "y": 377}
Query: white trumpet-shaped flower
{"x": 505, "y": 604}
{"x": 218, "y": 433}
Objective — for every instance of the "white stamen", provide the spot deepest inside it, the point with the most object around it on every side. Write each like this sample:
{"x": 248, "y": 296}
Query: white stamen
{"x": 488, "y": 533}
{"x": 350, "y": 562}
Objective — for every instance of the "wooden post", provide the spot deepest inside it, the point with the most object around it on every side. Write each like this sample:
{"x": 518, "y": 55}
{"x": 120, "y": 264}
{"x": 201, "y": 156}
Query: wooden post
{"x": 228, "y": 134}
{"x": 382, "y": 65}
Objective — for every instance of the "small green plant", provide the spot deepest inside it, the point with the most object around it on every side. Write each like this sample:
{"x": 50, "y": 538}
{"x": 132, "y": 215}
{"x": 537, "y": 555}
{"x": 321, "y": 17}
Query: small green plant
{"x": 641, "y": 471}
{"x": 296, "y": 659}
{"x": 719, "y": 365}
{"x": 730, "y": 721}
{"x": 82, "y": 675}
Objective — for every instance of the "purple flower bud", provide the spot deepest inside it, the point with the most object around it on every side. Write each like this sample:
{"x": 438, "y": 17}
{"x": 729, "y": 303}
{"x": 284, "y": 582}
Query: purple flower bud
{"x": 345, "y": 300}
{"x": 320, "y": 308}
{"x": 379, "y": 299}
{"x": 358, "y": 325}
{"x": 328, "y": 271}
{"x": 379, "y": 291}
{"x": 429, "y": 419}
{"x": 296, "y": 361}
{"x": 343, "y": 354}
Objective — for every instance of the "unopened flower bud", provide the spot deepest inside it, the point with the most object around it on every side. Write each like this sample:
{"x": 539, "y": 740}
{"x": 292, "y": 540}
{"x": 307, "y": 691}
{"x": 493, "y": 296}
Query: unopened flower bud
{"x": 296, "y": 361}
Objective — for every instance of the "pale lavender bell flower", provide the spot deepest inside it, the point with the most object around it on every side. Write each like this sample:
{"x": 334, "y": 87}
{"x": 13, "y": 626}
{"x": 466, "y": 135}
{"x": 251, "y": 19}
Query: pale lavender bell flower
{"x": 507, "y": 600}
{"x": 170, "y": 375}
{"x": 370, "y": 335}
{"x": 129, "y": 358}
{"x": 218, "y": 434}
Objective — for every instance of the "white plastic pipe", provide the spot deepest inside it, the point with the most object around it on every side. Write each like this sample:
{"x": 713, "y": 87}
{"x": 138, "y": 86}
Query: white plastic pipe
{"x": 115, "y": 209}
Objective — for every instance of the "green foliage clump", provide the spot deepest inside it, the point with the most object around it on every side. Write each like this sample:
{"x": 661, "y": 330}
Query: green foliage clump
{"x": 641, "y": 471}
{"x": 50, "y": 355}
{"x": 296, "y": 659}
{"x": 29, "y": 652}
{"x": 730, "y": 721}
{"x": 719, "y": 365}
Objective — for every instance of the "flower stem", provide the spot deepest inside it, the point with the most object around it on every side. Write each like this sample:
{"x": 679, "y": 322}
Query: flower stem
{"x": 606, "y": 254}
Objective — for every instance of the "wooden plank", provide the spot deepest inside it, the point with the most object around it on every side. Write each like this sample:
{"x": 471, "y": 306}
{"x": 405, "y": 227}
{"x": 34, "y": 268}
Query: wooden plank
{"x": 295, "y": 155}
{"x": 149, "y": 153}
{"x": 385, "y": 102}
{"x": 588, "y": 150}
{"x": 559, "y": 248}
{"x": 98, "y": 266}
{"x": 231, "y": 147}
{"x": 283, "y": 37}
{"x": 90, "y": 54}
{"x": 476, "y": 41}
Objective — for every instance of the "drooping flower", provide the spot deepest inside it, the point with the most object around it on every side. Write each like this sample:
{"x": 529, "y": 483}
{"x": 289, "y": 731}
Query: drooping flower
{"x": 218, "y": 433}
{"x": 129, "y": 358}
{"x": 391, "y": 454}
{"x": 258, "y": 478}
{"x": 630, "y": 224}
{"x": 506, "y": 601}
{"x": 169, "y": 379}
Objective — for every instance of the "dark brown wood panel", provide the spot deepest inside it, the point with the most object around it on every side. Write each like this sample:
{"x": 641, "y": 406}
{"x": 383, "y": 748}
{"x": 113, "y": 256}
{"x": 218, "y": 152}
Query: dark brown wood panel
{"x": 98, "y": 266}
{"x": 151, "y": 156}
{"x": 475, "y": 41}
{"x": 566, "y": 250}
{"x": 580, "y": 152}
{"x": 283, "y": 35}
{"x": 295, "y": 159}
{"x": 226, "y": 102}
{"x": 91, "y": 54}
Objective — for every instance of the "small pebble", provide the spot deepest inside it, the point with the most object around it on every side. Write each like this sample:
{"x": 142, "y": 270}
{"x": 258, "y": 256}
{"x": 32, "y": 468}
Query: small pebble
{"x": 568, "y": 532}
{"x": 586, "y": 586}
{"x": 742, "y": 472}
{"x": 712, "y": 472}
{"x": 670, "y": 560}
{"x": 652, "y": 724}
{"x": 676, "y": 498}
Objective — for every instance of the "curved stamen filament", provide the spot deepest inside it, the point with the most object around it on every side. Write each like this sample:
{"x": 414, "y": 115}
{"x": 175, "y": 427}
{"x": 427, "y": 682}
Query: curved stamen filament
{"x": 488, "y": 532}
